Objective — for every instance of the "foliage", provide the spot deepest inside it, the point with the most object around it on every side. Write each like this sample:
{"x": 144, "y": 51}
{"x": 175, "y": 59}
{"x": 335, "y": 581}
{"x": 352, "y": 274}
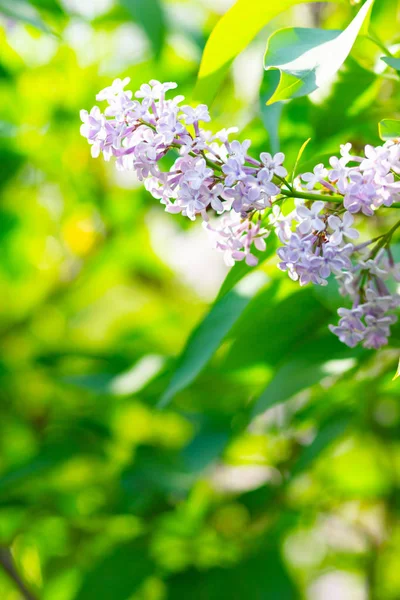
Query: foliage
{"x": 273, "y": 472}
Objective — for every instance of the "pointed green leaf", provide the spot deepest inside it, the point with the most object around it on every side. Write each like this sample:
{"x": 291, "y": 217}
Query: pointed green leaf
{"x": 389, "y": 129}
{"x": 298, "y": 159}
{"x": 397, "y": 374}
{"x": 309, "y": 58}
{"x": 20, "y": 10}
{"x": 210, "y": 333}
{"x": 232, "y": 34}
{"x": 392, "y": 62}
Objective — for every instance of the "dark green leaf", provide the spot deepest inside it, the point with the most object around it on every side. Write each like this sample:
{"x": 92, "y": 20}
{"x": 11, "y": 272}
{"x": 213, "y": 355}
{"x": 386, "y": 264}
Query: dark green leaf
{"x": 327, "y": 434}
{"x": 262, "y": 576}
{"x": 210, "y": 333}
{"x": 118, "y": 575}
{"x": 150, "y": 16}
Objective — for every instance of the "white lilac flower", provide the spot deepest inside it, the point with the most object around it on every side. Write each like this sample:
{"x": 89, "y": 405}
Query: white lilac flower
{"x": 319, "y": 173}
{"x": 345, "y": 153}
{"x": 114, "y": 89}
{"x": 193, "y": 115}
{"x": 342, "y": 228}
{"x": 223, "y": 134}
{"x": 309, "y": 218}
{"x": 360, "y": 194}
{"x": 154, "y": 90}
{"x": 238, "y": 150}
{"x": 274, "y": 163}
{"x": 233, "y": 170}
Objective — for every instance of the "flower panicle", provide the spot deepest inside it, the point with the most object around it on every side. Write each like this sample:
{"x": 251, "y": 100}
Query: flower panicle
{"x": 238, "y": 197}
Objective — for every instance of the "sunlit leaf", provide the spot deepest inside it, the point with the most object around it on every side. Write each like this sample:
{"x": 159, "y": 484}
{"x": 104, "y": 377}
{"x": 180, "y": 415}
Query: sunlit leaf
{"x": 309, "y": 58}
{"x": 232, "y": 34}
{"x": 397, "y": 374}
{"x": 389, "y": 129}
{"x": 299, "y": 157}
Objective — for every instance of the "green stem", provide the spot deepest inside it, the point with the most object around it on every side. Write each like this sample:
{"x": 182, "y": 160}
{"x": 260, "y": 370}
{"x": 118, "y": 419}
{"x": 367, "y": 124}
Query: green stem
{"x": 313, "y": 197}
{"x": 325, "y": 197}
{"x": 385, "y": 241}
{"x": 376, "y": 40}
{"x": 7, "y": 562}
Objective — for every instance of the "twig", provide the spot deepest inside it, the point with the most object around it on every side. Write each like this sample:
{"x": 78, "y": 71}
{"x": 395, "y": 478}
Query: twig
{"x": 7, "y": 562}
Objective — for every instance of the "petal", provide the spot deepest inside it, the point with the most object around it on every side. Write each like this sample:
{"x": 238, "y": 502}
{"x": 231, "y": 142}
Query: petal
{"x": 336, "y": 238}
{"x": 304, "y": 227}
{"x": 334, "y": 222}
{"x": 318, "y": 224}
{"x": 348, "y": 219}
{"x": 260, "y": 244}
{"x": 303, "y": 212}
{"x": 317, "y": 207}
{"x": 351, "y": 233}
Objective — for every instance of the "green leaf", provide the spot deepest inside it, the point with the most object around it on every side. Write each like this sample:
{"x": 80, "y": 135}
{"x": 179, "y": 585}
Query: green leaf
{"x": 305, "y": 366}
{"x": 149, "y": 15}
{"x": 232, "y": 34}
{"x": 309, "y": 58}
{"x": 262, "y": 575}
{"x": 119, "y": 574}
{"x": 298, "y": 159}
{"x": 20, "y": 10}
{"x": 389, "y": 129}
{"x": 210, "y": 333}
{"x": 397, "y": 374}
{"x": 270, "y": 114}
{"x": 392, "y": 62}
{"x": 327, "y": 434}
{"x": 270, "y": 328}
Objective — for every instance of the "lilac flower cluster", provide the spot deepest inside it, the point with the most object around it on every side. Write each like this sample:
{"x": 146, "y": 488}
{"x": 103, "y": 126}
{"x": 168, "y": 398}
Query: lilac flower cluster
{"x": 365, "y": 182}
{"x": 239, "y": 198}
{"x": 368, "y": 321}
{"x": 210, "y": 174}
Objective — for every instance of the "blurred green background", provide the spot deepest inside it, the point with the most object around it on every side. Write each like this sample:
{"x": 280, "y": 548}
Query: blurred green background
{"x": 274, "y": 473}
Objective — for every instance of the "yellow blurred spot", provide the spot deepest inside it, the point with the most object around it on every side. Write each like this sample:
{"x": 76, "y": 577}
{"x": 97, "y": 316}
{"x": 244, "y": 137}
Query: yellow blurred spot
{"x": 171, "y": 430}
{"x": 79, "y": 234}
{"x": 133, "y": 423}
{"x": 27, "y": 556}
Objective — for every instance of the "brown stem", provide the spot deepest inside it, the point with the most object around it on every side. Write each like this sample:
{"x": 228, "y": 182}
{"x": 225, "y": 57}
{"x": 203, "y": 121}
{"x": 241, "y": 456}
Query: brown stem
{"x": 7, "y": 562}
